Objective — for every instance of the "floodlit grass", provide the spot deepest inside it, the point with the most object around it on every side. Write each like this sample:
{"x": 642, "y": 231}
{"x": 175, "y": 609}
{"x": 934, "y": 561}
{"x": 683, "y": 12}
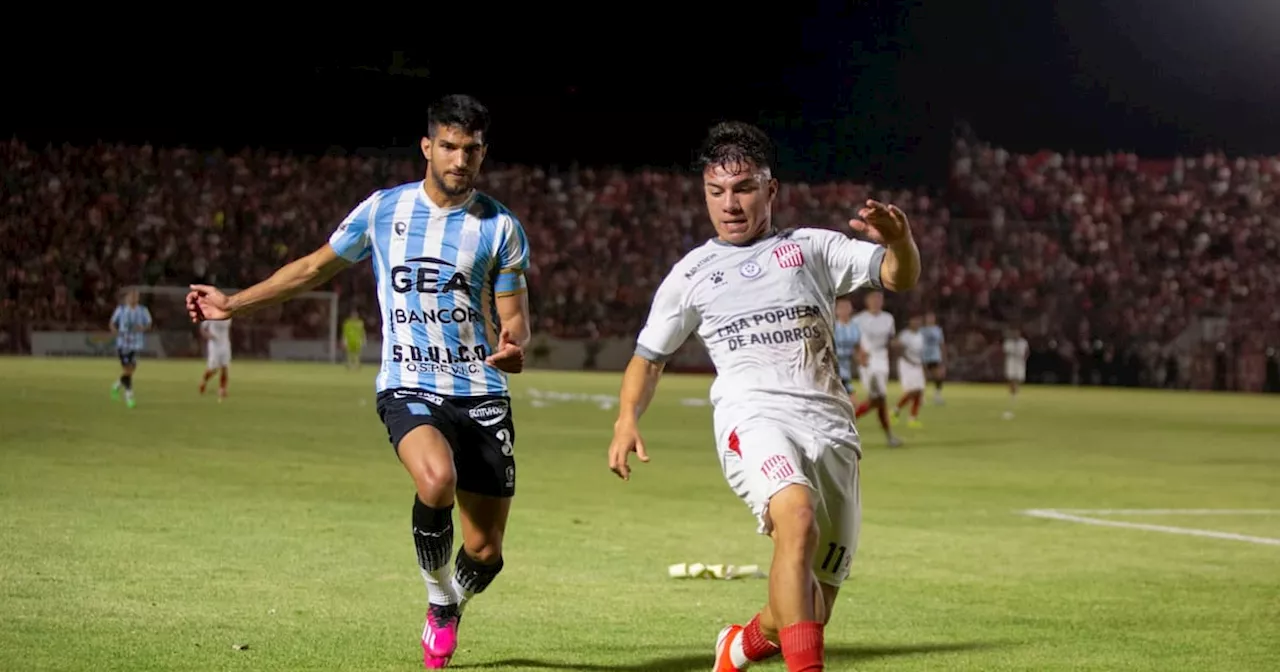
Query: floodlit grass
{"x": 162, "y": 537}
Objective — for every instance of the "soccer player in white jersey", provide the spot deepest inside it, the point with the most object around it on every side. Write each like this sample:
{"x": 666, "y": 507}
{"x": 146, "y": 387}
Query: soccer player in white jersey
{"x": 217, "y": 343}
{"x": 450, "y": 268}
{"x": 846, "y": 337}
{"x": 1016, "y": 352}
{"x": 934, "y": 357}
{"x": 129, "y": 324}
{"x": 877, "y": 330}
{"x": 911, "y": 370}
{"x": 762, "y": 301}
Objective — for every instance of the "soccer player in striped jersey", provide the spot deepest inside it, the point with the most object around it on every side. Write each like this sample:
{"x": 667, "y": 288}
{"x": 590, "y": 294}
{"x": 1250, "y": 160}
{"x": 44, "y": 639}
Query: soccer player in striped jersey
{"x": 129, "y": 324}
{"x": 450, "y": 268}
{"x": 934, "y": 361}
{"x": 846, "y": 340}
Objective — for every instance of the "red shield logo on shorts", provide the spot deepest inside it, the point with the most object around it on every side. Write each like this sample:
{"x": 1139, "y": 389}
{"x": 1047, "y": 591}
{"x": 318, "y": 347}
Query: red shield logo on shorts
{"x": 789, "y": 256}
{"x": 777, "y": 467}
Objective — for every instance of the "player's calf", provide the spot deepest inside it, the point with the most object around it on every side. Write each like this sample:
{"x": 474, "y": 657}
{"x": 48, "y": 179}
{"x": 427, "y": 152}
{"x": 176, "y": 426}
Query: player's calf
{"x": 791, "y": 583}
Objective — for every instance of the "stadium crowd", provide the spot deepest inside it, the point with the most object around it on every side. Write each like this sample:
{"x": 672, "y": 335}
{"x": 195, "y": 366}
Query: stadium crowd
{"x": 1119, "y": 270}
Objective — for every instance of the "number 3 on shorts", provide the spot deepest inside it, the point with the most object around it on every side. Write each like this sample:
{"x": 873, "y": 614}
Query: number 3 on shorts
{"x": 505, "y": 437}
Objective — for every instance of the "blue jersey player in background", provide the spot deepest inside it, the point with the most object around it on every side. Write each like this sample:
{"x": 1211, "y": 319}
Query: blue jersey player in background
{"x": 450, "y": 268}
{"x": 934, "y": 359}
{"x": 847, "y": 337}
{"x": 129, "y": 324}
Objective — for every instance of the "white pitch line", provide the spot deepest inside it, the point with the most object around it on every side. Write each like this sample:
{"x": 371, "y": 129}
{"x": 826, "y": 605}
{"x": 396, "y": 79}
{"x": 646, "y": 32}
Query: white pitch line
{"x": 1174, "y": 512}
{"x": 1059, "y": 515}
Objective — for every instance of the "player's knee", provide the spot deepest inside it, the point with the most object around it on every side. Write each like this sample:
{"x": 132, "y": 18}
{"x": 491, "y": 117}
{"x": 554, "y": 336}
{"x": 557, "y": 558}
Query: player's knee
{"x": 485, "y": 548}
{"x": 433, "y": 479}
{"x": 795, "y": 523}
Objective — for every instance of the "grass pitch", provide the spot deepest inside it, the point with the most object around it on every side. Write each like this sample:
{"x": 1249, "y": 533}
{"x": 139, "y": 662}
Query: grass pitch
{"x": 272, "y": 532}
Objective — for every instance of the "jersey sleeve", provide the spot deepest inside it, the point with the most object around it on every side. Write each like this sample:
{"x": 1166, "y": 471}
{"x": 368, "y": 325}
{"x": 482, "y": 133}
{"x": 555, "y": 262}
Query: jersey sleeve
{"x": 146, "y": 316}
{"x": 513, "y": 257}
{"x": 353, "y": 239}
{"x": 671, "y": 320}
{"x": 849, "y": 263}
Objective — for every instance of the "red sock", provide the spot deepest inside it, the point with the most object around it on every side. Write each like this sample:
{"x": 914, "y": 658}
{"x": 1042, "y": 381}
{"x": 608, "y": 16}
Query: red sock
{"x": 208, "y": 375}
{"x": 862, "y": 409}
{"x": 915, "y": 405}
{"x": 802, "y": 646}
{"x": 222, "y": 380}
{"x": 754, "y": 643}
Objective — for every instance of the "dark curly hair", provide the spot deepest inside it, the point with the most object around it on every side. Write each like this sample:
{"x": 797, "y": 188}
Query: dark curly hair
{"x": 458, "y": 110}
{"x": 734, "y": 142}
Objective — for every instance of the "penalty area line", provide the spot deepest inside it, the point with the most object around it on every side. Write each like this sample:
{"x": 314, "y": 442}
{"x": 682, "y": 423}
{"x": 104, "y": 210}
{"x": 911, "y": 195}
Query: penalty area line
{"x": 1054, "y": 514}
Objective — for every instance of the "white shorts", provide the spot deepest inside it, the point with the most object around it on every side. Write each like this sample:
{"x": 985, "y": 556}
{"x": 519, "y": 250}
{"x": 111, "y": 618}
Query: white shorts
{"x": 911, "y": 376}
{"x": 875, "y": 380}
{"x": 761, "y": 456}
{"x": 1015, "y": 372}
{"x": 218, "y": 358}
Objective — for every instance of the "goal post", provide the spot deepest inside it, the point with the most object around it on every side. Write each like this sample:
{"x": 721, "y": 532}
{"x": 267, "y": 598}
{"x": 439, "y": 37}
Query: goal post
{"x": 305, "y": 328}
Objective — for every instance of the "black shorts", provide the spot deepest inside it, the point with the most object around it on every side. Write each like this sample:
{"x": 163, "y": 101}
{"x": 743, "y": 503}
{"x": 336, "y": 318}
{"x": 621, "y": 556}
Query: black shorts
{"x": 932, "y": 367}
{"x": 128, "y": 357}
{"x": 479, "y": 430}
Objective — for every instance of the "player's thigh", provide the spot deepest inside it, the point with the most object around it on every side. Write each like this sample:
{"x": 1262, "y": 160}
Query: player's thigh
{"x": 759, "y": 459}
{"x": 485, "y": 452}
{"x": 876, "y": 381}
{"x": 839, "y": 512}
{"x": 912, "y": 377}
{"x": 422, "y": 434}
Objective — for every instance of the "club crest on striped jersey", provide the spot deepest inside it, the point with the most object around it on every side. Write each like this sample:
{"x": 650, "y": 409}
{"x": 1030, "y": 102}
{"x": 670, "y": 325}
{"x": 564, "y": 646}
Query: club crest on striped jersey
{"x": 789, "y": 255}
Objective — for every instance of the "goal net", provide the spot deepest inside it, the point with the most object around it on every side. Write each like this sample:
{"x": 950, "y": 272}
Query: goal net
{"x": 304, "y": 328}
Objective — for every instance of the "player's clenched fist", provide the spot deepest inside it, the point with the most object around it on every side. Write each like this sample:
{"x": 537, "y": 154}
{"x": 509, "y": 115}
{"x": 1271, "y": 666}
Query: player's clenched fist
{"x": 884, "y": 224}
{"x": 207, "y": 303}
{"x": 626, "y": 440}
{"x": 509, "y": 357}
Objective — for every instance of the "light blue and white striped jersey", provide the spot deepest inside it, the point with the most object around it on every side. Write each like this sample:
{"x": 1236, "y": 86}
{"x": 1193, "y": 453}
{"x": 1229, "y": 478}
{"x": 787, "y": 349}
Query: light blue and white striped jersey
{"x": 932, "y": 344}
{"x": 438, "y": 272}
{"x": 129, "y": 322}
{"x": 847, "y": 336}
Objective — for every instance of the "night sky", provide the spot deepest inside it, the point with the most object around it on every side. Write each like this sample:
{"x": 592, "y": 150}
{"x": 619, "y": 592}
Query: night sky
{"x": 870, "y": 93}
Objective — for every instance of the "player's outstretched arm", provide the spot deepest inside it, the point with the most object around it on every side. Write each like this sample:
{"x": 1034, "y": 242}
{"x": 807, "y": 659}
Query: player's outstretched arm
{"x": 638, "y": 386}
{"x": 206, "y": 302}
{"x": 888, "y": 225}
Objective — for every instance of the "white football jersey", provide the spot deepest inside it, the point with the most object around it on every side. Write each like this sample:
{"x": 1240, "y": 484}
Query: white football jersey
{"x": 1015, "y": 350}
{"x": 219, "y": 332}
{"x": 877, "y": 332}
{"x": 765, "y": 313}
{"x": 912, "y": 346}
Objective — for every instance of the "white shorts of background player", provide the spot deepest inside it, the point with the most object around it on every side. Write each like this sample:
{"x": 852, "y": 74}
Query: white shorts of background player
{"x": 218, "y": 358}
{"x": 875, "y": 379}
{"x": 1015, "y": 371}
{"x": 911, "y": 376}
{"x": 761, "y": 456}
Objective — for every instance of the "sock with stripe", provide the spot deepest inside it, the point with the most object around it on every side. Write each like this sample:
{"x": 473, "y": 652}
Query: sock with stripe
{"x": 433, "y": 540}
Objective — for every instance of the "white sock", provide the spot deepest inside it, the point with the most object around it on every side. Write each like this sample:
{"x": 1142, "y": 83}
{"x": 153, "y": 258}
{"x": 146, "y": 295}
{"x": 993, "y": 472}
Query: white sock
{"x": 116, "y": 385}
{"x": 738, "y": 654}
{"x": 462, "y": 594}
{"x": 440, "y": 588}
{"x": 128, "y": 394}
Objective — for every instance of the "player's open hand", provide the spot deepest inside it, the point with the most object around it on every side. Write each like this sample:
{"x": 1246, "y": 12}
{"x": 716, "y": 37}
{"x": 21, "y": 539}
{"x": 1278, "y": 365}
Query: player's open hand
{"x": 207, "y": 303}
{"x": 884, "y": 224}
{"x": 509, "y": 356}
{"x": 626, "y": 440}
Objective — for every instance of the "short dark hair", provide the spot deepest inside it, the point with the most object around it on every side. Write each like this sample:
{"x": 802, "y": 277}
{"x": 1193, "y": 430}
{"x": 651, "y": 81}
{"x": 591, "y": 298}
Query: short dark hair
{"x": 735, "y": 142}
{"x": 458, "y": 110}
